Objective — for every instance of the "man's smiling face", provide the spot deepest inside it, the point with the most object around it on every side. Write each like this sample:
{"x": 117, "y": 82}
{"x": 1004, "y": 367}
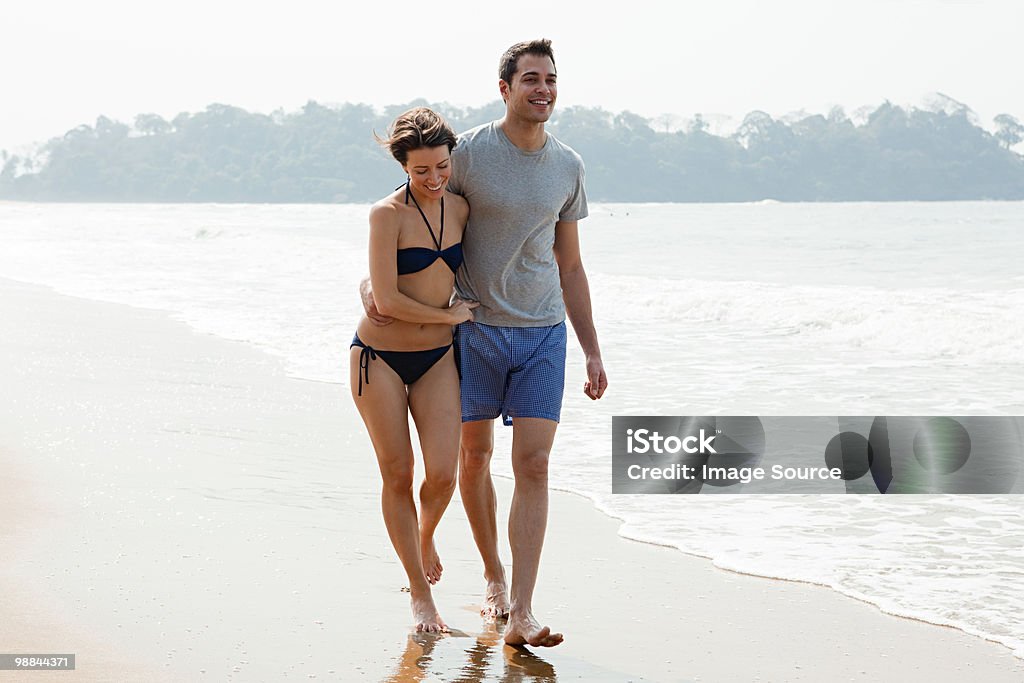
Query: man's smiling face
{"x": 530, "y": 97}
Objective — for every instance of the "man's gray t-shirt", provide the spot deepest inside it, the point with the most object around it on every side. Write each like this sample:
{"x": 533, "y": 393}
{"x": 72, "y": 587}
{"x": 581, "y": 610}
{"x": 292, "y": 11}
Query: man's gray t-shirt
{"x": 515, "y": 198}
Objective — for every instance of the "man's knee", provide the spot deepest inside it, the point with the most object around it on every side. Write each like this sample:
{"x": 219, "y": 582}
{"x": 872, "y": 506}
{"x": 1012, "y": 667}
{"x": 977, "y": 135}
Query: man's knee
{"x": 531, "y": 465}
{"x": 474, "y": 458}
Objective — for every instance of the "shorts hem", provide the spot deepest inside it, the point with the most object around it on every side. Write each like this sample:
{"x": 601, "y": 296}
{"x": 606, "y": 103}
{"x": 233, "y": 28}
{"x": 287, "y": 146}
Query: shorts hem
{"x": 541, "y": 416}
{"x": 477, "y": 418}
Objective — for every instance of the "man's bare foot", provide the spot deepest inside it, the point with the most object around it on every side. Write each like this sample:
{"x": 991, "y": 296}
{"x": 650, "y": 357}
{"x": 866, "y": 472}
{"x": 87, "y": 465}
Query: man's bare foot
{"x": 495, "y": 601}
{"x": 431, "y": 562}
{"x": 524, "y": 630}
{"x": 424, "y": 613}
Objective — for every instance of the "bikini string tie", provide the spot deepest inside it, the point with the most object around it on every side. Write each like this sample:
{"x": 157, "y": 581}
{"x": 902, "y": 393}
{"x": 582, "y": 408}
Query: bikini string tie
{"x": 365, "y": 356}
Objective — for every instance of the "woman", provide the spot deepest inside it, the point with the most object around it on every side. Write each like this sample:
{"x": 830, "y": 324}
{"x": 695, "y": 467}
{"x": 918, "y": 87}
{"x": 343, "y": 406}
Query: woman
{"x": 408, "y": 366}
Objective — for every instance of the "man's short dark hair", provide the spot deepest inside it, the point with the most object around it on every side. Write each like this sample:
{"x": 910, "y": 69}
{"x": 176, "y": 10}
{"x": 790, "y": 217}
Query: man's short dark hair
{"x": 510, "y": 60}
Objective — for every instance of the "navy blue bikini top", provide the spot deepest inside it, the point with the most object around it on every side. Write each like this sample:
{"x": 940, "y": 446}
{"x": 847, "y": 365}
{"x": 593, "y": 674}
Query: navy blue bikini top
{"x": 415, "y": 259}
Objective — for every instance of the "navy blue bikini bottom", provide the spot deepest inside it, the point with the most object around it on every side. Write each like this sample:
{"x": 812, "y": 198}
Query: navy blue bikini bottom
{"x": 409, "y": 365}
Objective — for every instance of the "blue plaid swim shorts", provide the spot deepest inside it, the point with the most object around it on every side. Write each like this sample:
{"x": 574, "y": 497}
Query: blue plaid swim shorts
{"x": 511, "y": 371}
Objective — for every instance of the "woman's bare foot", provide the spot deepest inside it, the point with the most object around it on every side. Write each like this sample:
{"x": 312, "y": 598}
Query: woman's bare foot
{"x": 495, "y": 600}
{"x": 424, "y": 613}
{"x": 523, "y": 629}
{"x": 431, "y": 562}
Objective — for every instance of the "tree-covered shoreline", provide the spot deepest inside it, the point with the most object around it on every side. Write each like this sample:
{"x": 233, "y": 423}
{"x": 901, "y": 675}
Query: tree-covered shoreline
{"x": 328, "y": 154}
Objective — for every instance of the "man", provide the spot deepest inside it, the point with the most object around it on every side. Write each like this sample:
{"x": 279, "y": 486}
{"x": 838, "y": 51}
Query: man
{"x": 523, "y": 266}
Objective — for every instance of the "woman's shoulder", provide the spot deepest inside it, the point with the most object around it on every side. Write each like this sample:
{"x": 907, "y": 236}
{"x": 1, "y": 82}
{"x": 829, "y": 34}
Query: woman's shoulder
{"x": 456, "y": 201}
{"x": 386, "y": 212}
{"x": 390, "y": 205}
{"x": 458, "y": 206}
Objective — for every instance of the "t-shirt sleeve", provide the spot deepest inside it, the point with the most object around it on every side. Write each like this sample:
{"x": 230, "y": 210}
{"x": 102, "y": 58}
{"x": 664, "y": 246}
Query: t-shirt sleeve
{"x": 460, "y": 160}
{"x": 575, "y": 206}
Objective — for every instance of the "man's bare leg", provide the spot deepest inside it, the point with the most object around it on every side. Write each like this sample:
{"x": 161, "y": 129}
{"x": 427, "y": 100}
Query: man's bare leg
{"x": 527, "y": 522}
{"x": 478, "y": 498}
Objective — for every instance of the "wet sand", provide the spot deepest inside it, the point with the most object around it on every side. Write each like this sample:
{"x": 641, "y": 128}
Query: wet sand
{"x": 176, "y": 507}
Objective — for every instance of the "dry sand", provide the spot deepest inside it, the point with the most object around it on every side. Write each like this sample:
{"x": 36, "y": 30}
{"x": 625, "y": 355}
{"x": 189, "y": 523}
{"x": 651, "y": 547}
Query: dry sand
{"x": 174, "y": 506}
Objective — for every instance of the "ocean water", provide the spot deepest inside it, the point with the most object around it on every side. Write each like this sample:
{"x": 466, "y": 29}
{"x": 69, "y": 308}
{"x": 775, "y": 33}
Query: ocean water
{"x": 735, "y": 309}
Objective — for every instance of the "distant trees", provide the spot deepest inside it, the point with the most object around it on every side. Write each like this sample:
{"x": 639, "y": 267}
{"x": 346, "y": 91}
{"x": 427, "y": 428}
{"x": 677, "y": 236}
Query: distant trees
{"x": 327, "y": 154}
{"x": 1010, "y": 131}
{"x": 151, "y": 124}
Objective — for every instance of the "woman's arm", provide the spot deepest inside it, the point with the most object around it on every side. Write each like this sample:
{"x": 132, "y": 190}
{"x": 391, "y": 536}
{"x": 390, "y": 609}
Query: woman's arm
{"x": 384, "y": 228}
{"x": 370, "y": 306}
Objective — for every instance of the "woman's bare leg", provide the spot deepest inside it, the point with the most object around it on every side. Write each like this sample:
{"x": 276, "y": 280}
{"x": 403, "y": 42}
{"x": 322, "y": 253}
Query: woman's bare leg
{"x": 384, "y": 408}
{"x": 434, "y": 402}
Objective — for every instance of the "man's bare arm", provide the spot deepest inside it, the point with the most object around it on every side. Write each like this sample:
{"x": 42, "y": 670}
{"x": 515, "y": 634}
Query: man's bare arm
{"x": 576, "y": 293}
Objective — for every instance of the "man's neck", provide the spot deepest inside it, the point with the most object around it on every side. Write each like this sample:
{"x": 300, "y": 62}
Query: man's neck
{"x": 527, "y": 136}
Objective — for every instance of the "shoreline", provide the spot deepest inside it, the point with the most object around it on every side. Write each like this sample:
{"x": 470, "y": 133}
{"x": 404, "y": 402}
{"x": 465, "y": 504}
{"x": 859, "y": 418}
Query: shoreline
{"x": 164, "y": 462}
{"x": 867, "y": 600}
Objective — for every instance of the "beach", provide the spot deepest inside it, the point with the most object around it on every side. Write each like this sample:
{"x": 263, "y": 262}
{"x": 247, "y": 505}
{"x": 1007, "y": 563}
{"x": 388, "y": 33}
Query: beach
{"x": 178, "y": 508}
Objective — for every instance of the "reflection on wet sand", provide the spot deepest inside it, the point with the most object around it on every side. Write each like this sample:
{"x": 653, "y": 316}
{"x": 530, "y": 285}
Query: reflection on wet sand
{"x": 488, "y": 658}
{"x": 463, "y": 657}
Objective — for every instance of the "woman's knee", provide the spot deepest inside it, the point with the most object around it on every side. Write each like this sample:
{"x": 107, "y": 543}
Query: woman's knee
{"x": 397, "y": 478}
{"x": 441, "y": 481}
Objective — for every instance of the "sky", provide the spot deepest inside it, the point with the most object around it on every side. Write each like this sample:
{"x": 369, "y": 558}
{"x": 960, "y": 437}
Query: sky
{"x": 65, "y": 63}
